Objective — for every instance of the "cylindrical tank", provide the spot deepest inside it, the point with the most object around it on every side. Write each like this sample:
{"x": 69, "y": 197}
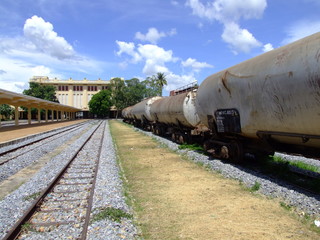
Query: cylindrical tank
{"x": 276, "y": 92}
{"x": 176, "y": 110}
{"x": 126, "y": 113}
{"x": 142, "y": 109}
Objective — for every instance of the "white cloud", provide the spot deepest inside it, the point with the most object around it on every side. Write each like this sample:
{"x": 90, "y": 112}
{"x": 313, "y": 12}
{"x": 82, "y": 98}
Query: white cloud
{"x": 154, "y": 56}
{"x": 174, "y": 3}
{"x": 128, "y": 48}
{"x": 41, "y": 34}
{"x": 153, "y": 35}
{"x": 156, "y": 59}
{"x": 39, "y": 52}
{"x": 228, "y": 13}
{"x": 195, "y": 65}
{"x": 228, "y": 10}
{"x": 267, "y": 47}
{"x": 176, "y": 81}
{"x": 240, "y": 40}
{"x": 17, "y": 73}
{"x": 300, "y": 30}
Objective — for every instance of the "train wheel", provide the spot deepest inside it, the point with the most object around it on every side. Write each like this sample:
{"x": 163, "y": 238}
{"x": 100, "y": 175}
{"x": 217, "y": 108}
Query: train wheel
{"x": 236, "y": 153}
{"x": 173, "y": 137}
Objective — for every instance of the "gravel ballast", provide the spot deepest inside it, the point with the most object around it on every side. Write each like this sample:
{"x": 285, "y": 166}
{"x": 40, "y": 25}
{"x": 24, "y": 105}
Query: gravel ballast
{"x": 108, "y": 193}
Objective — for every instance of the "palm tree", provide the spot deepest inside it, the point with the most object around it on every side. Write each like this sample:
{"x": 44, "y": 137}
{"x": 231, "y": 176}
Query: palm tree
{"x": 160, "y": 81}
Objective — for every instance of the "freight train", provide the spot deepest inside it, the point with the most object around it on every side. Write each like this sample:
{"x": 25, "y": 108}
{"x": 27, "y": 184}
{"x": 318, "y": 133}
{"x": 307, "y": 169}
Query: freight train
{"x": 265, "y": 104}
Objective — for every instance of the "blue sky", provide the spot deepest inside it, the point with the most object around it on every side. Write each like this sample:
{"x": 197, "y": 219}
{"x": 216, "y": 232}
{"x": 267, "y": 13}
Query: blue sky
{"x": 188, "y": 40}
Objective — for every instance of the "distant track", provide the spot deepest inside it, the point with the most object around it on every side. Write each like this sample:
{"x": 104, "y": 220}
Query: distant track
{"x": 56, "y": 192}
{"x": 69, "y": 129}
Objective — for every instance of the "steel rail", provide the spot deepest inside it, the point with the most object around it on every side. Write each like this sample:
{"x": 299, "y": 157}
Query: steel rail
{"x": 45, "y": 138}
{"x": 38, "y": 140}
{"x": 16, "y": 229}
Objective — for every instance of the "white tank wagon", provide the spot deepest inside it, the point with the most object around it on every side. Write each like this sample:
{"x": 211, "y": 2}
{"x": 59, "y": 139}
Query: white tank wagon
{"x": 175, "y": 115}
{"x": 273, "y": 98}
{"x": 127, "y": 114}
{"x": 141, "y": 112}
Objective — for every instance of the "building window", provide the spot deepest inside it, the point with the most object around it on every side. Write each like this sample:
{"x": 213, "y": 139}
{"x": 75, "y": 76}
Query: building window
{"x": 95, "y": 88}
{"x": 59, "y": 88}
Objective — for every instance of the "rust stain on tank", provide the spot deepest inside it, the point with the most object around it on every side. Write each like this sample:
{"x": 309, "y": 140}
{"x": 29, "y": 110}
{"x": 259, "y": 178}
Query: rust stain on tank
{"x": 224, "y": 81}
{"x": 290, "y": 74}
{"x": 282, "y": 57}
{"x": 317, "y": 56}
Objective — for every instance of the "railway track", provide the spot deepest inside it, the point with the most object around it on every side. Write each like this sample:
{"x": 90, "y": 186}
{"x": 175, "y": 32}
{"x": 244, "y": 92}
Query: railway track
{"x": 20, "y": 146}
{"x": 65, "y": 205}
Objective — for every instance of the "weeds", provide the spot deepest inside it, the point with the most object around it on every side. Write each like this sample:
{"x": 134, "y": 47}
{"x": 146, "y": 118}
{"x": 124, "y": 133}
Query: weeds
{"x": 194, "y": 147}
{"x": 297, "y": 164}
{"x": 27, "y": 227}
{"x": 280, "y": 168}
{"x": 111, "y": 213}
{"x": 285, "y": 206}
{"x": 255, "y": 187}
{"x": 32, "y": 196}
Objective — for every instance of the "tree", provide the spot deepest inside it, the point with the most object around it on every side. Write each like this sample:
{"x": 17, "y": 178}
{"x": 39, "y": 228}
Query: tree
{"x": 151, "y": 89}
{"x": 160, "y": 81}
{"x": 101, "y": 103}
{"x": 46, "y": 92}
{"x": 118, "y": 95}
{"x": 134, "y": 91}
{"x": 6, "y": 110}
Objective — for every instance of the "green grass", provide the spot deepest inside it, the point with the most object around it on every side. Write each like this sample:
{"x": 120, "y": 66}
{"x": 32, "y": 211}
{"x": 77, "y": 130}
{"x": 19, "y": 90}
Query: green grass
{"x": 280, "y": 168}
{"x": 297, "y": 164}
{"x": 194, "y": 147}
{"x": 255, "y": 187}
{"x": 32, "y": 196}
{"x": 111, "y": 213}
{"x": 285, "y": 206}
{"x": 27, "y": 227}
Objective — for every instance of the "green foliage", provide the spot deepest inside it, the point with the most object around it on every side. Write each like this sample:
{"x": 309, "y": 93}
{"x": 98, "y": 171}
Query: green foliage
{"x": 134, "y": 91}
{"x": 111, "y": 213}
{"x": 285, "y": 206}
{"x": 297, "y": 164}
{"x": 160, "y": 80}
{"x": 255, "y": 187}
{"x": 118, "y": 94}
{"x": 154, "y": 84}
{"x": 280, "y": 168}
{"x": 6, "y": 110}
{"x": 32, "y": 196}
{"x": 194, "y": 147}
{"x": 101, "y": 103}
{"x": 46, "y": 92}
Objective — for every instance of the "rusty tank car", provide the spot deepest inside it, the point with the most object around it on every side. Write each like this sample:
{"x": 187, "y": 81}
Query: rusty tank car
{"x": 127, "y": 114}
{"x": 141, "y": 112}
{"x": 175, "y": 115}
{"x": 270, "y": 102}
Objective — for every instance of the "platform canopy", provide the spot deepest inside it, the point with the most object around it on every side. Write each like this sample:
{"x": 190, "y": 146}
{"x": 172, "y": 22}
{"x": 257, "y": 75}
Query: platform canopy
{"x": 18, "y": 100}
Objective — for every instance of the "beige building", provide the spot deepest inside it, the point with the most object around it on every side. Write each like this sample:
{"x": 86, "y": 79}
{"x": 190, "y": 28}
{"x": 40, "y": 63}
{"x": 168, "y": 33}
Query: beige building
{"x": 74, "y": 93}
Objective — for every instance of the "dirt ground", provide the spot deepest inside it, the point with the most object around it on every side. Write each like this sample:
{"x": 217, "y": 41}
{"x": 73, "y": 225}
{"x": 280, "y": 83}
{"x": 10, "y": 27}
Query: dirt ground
{"x": 14, "y": 132}
{"x": 176, "y": 199}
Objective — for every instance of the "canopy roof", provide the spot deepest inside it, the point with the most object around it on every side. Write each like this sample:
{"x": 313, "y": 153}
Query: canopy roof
{"x": 17, "y": 99}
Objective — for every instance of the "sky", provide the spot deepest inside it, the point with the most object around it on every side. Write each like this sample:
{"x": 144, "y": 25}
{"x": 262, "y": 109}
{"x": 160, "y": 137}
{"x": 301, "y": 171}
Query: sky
{"x": 188, "y": 40}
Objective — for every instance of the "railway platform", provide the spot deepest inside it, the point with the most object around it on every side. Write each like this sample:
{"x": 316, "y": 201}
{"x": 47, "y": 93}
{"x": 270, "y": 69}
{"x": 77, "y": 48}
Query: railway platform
{"x": 11, "y": 133}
